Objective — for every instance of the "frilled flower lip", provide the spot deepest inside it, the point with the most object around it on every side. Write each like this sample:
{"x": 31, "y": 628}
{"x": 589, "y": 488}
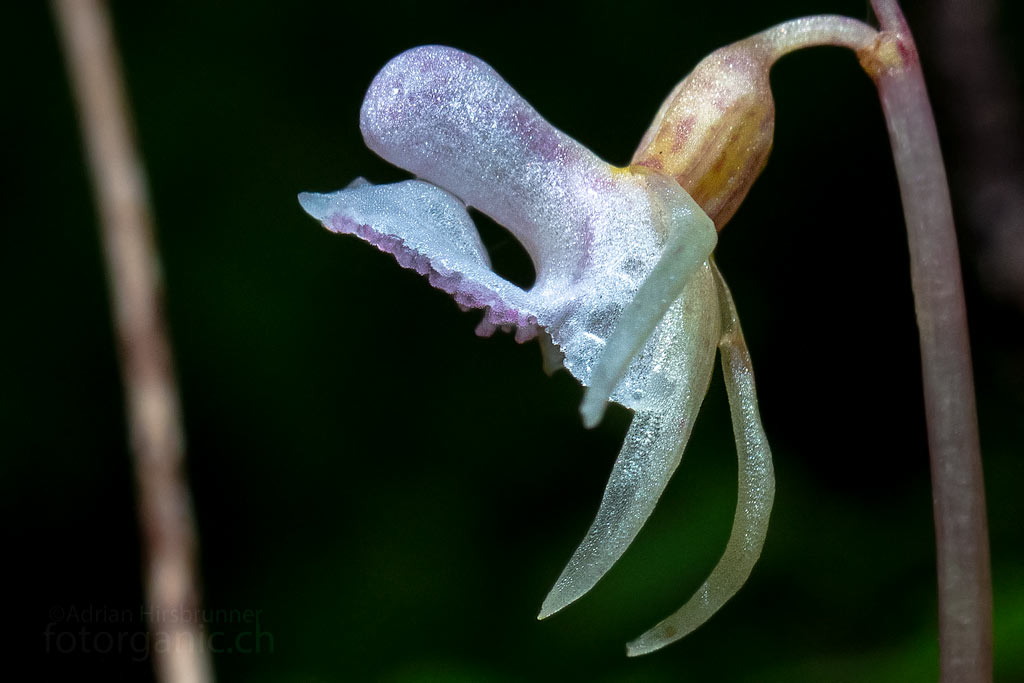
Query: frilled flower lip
{"x": 427, "y": 230}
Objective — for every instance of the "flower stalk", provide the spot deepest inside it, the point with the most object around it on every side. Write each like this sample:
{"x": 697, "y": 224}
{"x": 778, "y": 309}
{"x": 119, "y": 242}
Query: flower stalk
{"x": 713, "y": 135}
{"x": 958, "y": 490}
{"x": 964, "y": 576}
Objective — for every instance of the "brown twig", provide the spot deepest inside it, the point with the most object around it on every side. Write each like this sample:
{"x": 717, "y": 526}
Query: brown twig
{"x": 153, "y": 411}
{"x": 958, "y": 488}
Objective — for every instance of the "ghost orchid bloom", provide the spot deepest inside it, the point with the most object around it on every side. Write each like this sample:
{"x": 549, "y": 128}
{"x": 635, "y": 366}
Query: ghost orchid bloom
{"x": 625, "y": 293}
{"x": 627, "y": 297}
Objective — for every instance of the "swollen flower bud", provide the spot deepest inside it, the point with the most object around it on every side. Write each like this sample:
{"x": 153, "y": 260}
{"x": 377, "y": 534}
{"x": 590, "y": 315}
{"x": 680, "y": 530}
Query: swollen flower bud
{"x": 714, "y": 131}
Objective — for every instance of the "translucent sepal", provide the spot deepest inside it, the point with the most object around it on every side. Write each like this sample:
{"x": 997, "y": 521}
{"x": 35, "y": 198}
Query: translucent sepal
{"x": 654, "y": 444}
{"x": 754, "y": 499}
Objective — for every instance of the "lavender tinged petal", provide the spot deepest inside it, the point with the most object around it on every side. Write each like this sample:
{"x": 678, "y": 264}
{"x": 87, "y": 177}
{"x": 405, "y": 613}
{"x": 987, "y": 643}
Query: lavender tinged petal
{"x": 754, "y": 499}
{"x": 449, "y": 118}
{"x": 654, "y": 444}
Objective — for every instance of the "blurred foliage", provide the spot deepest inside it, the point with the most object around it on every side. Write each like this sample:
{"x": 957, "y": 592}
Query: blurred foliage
{"x": 397, "y": 495}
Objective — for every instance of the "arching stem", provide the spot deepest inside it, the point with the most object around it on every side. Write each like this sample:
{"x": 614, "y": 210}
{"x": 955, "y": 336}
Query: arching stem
{"x": 964, "y": 576}
{"x": 958, "y": 489}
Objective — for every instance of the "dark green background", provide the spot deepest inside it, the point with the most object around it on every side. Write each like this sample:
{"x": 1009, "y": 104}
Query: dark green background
{"x": 397, "y": 495}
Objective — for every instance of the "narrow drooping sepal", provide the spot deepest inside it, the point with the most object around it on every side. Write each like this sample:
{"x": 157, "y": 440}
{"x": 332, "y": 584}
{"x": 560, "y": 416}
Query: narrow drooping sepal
{"x": 654, "y": 445}
{"x": 754, "y": 498}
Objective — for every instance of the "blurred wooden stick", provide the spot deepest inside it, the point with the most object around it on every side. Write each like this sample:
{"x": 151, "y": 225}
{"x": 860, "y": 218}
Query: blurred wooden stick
{"x": 151, "y": 394}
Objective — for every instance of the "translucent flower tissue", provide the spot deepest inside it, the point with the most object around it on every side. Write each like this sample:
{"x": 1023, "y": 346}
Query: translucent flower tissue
{"x": 626, "y": 290}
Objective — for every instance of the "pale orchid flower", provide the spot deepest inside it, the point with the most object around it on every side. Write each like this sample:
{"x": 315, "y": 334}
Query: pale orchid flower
{"x": 627, "y": 297}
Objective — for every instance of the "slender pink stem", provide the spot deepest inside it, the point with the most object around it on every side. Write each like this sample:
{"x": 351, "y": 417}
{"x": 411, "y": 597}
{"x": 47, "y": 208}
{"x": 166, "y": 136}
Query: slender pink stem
{"x": 964, "y": 579}
{"x": 154, "y": 415}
